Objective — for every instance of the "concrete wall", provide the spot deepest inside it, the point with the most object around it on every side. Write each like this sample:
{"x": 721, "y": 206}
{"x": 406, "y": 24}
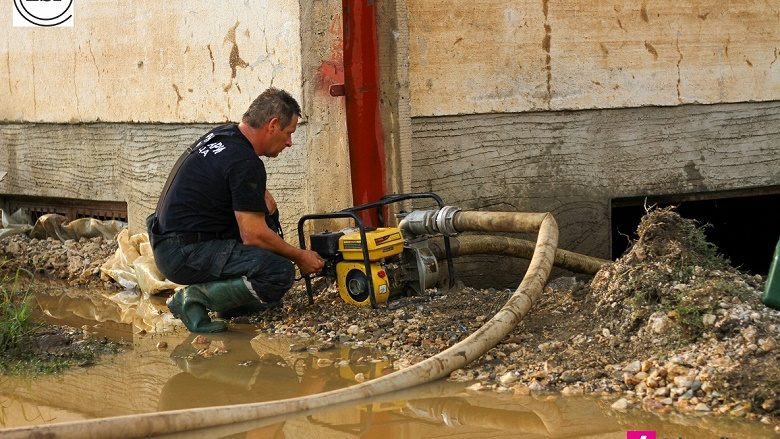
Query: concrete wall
{"x": 122, "y": 162}
{"x": 488, "y": 56}
{"x": 102, "y": 110}
{"x": 493, "y": 82}
{"x": 574, "y": 163}
{"x": 148, "y": 61}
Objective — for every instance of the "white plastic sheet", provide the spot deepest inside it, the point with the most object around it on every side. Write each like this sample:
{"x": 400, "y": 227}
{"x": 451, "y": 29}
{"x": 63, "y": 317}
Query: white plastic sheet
{"x": 133, "y": 265}
{"x": 17, "y": 223}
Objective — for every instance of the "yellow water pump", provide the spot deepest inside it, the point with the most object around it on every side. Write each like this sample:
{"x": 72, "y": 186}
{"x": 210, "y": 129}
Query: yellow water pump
{"x": 395, "y": 266}
{"x": 371, "y": 264}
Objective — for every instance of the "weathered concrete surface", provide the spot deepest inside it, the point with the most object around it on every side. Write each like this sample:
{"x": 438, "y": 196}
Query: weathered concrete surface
{"x": 574, "y": 163}
{"x": 167, "y": 66}
{"x": 125, "y": 162}
{"x": 327, "y": 177}
{"x": 149, "y": 61}
{"x": 393, "y": 39}
{"x": 486, "y": 56}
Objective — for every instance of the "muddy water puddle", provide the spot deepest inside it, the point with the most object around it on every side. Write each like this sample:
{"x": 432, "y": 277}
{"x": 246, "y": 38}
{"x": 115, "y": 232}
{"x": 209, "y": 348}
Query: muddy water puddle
{"x": 167, "y": 371}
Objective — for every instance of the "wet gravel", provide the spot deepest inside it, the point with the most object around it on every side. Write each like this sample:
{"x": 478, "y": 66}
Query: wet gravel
{"x": 75, "y": 261}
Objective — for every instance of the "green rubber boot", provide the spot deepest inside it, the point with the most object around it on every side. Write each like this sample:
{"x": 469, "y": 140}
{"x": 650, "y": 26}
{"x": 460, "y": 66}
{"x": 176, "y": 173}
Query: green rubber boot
{"x": 192, "y": 303}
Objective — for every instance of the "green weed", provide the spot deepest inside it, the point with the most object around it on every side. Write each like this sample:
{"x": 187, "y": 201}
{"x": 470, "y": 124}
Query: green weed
{"x": 15, "y": 312}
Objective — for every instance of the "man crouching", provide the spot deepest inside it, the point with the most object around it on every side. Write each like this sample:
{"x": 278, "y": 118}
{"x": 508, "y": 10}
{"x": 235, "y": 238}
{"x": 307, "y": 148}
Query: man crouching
{"x": 216, "y": 225}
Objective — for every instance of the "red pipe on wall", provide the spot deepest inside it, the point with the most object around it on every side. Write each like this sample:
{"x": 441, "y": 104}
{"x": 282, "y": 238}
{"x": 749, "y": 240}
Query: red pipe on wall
{"x": 364, "y": 125}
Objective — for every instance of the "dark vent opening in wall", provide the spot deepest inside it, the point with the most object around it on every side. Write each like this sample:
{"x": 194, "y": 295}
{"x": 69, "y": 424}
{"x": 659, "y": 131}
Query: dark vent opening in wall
{"x": 70, "y": 208}
{"x": 745, "y": 224}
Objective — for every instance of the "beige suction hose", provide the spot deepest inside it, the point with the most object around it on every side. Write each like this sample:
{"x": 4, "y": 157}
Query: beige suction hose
{"x": 433, "y": 368}
{"x": 464, "y": 245}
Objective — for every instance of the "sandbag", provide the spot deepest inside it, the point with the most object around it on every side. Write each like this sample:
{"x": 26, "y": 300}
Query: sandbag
{"x": 133, "y": 266}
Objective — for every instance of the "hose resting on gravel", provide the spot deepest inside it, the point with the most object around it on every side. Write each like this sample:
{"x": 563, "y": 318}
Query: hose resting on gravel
{"x": 433, "y": 368}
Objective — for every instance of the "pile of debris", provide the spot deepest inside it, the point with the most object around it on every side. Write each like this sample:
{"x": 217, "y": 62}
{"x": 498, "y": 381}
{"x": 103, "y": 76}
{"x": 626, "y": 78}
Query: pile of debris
{"x": 76, "y": 261}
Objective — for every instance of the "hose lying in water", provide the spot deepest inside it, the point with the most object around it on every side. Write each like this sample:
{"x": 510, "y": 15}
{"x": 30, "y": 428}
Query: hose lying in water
{"x": 433, "y": 368}
{"x": 515, "y": 247}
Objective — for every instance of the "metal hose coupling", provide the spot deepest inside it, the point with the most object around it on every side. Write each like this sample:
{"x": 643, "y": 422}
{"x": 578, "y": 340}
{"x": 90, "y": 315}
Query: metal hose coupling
{"x": 430, "y": 222}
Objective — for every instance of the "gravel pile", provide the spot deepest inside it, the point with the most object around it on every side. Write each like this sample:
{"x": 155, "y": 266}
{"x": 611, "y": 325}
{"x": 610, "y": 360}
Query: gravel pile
{"x": 76, "y": 261}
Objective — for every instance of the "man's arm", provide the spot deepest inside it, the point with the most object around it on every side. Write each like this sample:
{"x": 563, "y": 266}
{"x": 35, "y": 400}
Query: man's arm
{"x": 255, "y": 232}
{"x": 270, "y": 203}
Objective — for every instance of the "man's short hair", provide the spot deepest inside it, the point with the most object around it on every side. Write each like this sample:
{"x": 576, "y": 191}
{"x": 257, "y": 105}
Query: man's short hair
{"x": 272, "y": 103}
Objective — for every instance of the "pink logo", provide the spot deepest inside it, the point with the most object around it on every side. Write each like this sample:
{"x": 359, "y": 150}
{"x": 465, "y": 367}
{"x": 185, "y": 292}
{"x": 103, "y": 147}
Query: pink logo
{"x": 640, "y": 435}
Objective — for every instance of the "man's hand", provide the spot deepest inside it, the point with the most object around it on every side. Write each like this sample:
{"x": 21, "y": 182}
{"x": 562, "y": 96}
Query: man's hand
{"x": 310, "y": 262}
{"x": 255, "y": 232}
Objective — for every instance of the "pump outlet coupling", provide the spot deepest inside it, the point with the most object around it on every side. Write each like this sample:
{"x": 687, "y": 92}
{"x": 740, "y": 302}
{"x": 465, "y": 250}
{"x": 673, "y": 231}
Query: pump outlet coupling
{"x": 430, "y": 222}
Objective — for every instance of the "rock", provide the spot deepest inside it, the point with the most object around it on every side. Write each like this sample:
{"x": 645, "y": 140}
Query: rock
{"x": 708, "y": 319}
{"x": 740, "y": 410}
{"x": 571, "y": 390}
{"x": 749, "y": 334}
{"x": 683, "y": 382}
{"x": 652, "y": 382}
{"x": 521, "y": 390}
{"x": 767, "y": 344}
{"x": 200, "y": 340}
{"x": 659, "y": 323}
{"x": 674, "y": 370}
{"x": 620, "y": 404}
{"x": 629, "y": 380}
{"x": 667, "y": 401}
{"x": 162, "y": 345}
{"x": 663, "y": 391}
{"x": 549, "y": 346}
{"x": 633, "y": 367}
{"x": 353, "y": 330}
{"x": 508, "y": 378}
{"x": 569, "y": 377}
{"x": 298, "y": 347}
{"x": 359, "y": 377}
{"x": 475, "y": 387}
{"x": 324, "y": 362}
{"x": 536, "y": 386}
{"x": 459, "y": 375}
{"x": 14, "y": 248}
{"x": 325, "y": 346}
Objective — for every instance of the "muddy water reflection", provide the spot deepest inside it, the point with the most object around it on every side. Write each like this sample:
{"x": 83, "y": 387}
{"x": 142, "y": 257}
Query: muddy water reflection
{"x": 237, "y": 368}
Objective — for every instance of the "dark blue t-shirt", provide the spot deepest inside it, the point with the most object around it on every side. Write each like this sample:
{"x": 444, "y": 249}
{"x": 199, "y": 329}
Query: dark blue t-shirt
{"x": 221, "y": 176}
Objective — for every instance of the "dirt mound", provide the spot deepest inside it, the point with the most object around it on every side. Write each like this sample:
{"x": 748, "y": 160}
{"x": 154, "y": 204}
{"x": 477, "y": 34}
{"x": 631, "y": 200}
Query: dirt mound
{"x": 673, "y": 283}
{"x": 670, "y": 325}
{"x": 76, "y": 261}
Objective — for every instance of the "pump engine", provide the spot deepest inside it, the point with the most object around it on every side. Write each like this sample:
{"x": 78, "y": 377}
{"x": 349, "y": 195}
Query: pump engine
{"x": 397, "y": 267}
{"x": 371, "y": 264}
